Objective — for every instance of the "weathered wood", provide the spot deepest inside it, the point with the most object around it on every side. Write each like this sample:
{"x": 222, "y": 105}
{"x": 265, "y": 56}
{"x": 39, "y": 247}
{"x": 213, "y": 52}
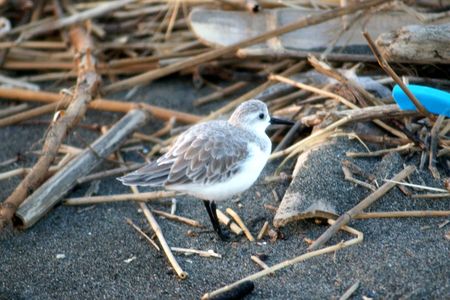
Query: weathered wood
{"x": 365, "y": 203}
{"x": 52, "y": 191}
{"x": 417, "y": 43}
{"x": 297, "y": 23}
{"x": 85, "y": 90}
{"x": 224, "y": 28}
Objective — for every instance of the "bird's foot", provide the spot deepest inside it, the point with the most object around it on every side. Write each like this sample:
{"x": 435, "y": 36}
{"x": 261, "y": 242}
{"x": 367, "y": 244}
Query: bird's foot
{"x": 224, "y": 236}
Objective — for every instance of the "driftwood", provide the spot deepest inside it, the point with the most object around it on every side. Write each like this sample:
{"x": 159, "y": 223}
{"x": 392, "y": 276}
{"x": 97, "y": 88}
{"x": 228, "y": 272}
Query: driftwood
{"x": 216, "y": 53}
{"x": 387, "y": 68}
{"x": 425, "y": 44}
{"x": 86, "y": 89}
{"x": 52, "y": 191}
{"x": 223, "y": 28}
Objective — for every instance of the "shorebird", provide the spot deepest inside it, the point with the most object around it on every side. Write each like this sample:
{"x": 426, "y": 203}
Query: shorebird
{"x": 214, "y": 160}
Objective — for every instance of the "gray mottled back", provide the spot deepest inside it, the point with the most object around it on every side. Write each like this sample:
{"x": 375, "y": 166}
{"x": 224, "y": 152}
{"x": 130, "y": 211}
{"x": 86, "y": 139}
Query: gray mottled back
{"x": 207, "y": 153}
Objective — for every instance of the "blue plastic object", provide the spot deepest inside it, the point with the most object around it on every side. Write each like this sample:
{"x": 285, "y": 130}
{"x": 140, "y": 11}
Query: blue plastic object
{"x": 434, "y": 100}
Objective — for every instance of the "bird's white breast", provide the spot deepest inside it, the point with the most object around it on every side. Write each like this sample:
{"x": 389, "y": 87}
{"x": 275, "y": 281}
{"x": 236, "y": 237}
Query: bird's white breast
{"x": 241, "y": 181}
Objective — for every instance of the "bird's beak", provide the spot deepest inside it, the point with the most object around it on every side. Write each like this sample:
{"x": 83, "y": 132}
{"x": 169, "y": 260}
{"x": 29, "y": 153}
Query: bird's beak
{"x": 274, "y": 121}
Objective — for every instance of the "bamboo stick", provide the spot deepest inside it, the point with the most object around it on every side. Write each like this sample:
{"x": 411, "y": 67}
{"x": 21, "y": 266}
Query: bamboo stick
{"x": 177, "y": 218}
{"x": 224, "y": 219}
{"x": 155, "y": 226}
{"x": 403, "y": 214}
{"x": 241, "y": 224}
{"x": 100, "y": 104}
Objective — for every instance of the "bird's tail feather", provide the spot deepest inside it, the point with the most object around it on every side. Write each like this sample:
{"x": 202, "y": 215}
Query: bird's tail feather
{"x": 150, "y": 175}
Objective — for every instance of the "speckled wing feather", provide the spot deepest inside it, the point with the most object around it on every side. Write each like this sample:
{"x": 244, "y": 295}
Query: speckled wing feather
{"x": 205, "y": 154}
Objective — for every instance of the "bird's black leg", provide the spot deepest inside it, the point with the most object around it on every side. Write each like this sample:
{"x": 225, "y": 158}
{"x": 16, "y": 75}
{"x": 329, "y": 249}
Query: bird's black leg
{"x": 211, "y": 209}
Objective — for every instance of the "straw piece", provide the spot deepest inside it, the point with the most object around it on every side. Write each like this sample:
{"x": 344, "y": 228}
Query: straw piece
{"x": 241, "y": 224}
{"x": 403, "y": 214}
{"x": 152, "y": 221}
{"x": 180, "y": 219}
{"x": 209, "y": 253}
{"x": 387, "y": 68}
{"x": 263, "y": 231}
{"x": 348, "y": 293}
{"x": 143, "y": 234}
{"x": 259, "y": 262}
{"x": 224, "y": 219}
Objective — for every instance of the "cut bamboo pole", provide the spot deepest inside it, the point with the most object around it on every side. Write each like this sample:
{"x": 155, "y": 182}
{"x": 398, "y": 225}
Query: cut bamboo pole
{"x": 346, "y": 217}
{"x": 303, "y": 22}
{"x": 50, "y": 193}
{"x": 142, "y": 197}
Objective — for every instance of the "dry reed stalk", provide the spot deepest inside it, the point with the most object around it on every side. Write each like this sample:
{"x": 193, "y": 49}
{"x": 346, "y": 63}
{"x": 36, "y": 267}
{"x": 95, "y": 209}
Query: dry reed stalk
{"x": 403, "y": 214}
{"x": 224, "y": 219}
{"x": 387, "y": 68}
{"x": 100, "y": 104}
{"x": 139, "y": 230}
{"x": 241, "y": 224}
{"x": 184, "y": 220}
{"x": 155, "y": 226}
{"x": 141, "y": 197}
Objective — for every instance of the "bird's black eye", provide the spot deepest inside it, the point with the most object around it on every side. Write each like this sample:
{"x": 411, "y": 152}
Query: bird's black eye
{"x": 261, "y": 116}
